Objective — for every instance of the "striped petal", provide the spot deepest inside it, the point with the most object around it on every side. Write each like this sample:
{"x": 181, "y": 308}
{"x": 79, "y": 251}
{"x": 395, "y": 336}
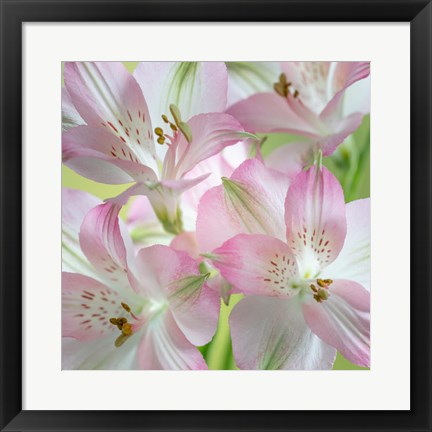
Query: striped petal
{"x": 269, "y": 333}
{"x": 105, "y": 94}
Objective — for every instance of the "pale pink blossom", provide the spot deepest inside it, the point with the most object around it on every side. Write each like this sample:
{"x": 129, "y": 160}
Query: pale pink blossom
{"x": 305, "y": 275}
{"x": 122, "y": 310}
{"x": 315, "y": 100}
{"x": 116, "y": 145}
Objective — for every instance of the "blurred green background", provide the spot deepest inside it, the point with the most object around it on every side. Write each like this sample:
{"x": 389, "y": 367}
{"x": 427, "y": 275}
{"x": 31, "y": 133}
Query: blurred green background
{"x": 350, "y": 164}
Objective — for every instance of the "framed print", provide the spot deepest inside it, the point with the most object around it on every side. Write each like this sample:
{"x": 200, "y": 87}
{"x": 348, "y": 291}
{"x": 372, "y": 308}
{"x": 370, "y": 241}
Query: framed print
{"x": 215, "y": 216}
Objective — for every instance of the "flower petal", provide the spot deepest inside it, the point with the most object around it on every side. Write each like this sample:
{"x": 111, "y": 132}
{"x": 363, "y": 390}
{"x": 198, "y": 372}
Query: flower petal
{"x": 164, "y": 346}
{"x": 341, "y": 127}
{"x": 343, "y": 320}
{"x": 87, "y": 306}
{"x": 194, "y": 87}
{"x": 347, "y": 73}
{"x": 291, "y": 158}
{"x": 102, "y": 242}
{"x": 99, "y": 155}
{"x": 172, "y": 277}
{"x": 269, "y": 333}
{"x": 353, "y": 262}
{"x": 220, "y": 165}
{"x": 252, "y": 201}
{"x": 186, "y": 242}
{"x": 247, "y": 78}
{"x": 269, "y": 112}
{"x": 99, "y": 354}
{"x": 70, "y": 116}
{"x": 258, "y": 264}
{"x": 210, "y": 134}
{"x": 315, "y": 219}
{"x": 105, "y": 94}
{"x": 75, "y": 205}
{"x": 312, "y": 80}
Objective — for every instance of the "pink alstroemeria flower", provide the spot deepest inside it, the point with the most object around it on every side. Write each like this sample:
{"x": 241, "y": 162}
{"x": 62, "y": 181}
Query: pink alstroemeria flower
{"x": 308, "y": 101}
{"x": 127, "y": 311}
{"x": 306, "y": 284}
{"x": 116, "y": 145}
{"x": 242, "y": 204}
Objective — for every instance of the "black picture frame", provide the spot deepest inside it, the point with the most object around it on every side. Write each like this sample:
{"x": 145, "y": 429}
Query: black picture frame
{"x": 14, "y": 13}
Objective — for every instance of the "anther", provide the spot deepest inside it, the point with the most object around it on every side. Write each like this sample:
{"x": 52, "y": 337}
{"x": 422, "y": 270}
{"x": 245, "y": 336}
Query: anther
{"x": 126, "y": 307}
{"x": 313, "y": 288}
{"x": 127, "y": 329}
{"x": 159, "y": 131}
{"x": 282, "y": 86}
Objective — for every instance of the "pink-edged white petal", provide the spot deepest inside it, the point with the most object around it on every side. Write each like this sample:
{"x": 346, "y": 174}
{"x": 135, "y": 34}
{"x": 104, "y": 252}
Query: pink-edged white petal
{"x": 348, "y": 73}
{"x": 101, "y": 354}
{"x": 315, "y": 219}
{"x": 291, "y": 158}
{"x": 194, "y": 87}
{"x": 270, "y": 333}
{"x": 258, "y": 264}
{"x": 75, "y": 205}
{"x": 158, "y": 266}
{"x": 353, "y": 262}
{"x": 212, "y": 215}
{"x": 99, "y": 155}
{"x": 341, "y": 128}
{"x": 357, "y": 98}
{"x": 343, "y": 320}
{"x": 186, "y": 242}
{"x": 172, "y": 279}
{"x": 103, "y": 244}
{"x": 106, "y": 95}
{"x": 248, "y": 78}
{"x": 211, "y": 133}
{"x": 219, "y": 165}
{"x": 269, "y": 112}
{"x": 164, "y": 346}
{"x": 87, "y": 306}
{"x": 70, "y": 116}
{"x": 251, "y": 201}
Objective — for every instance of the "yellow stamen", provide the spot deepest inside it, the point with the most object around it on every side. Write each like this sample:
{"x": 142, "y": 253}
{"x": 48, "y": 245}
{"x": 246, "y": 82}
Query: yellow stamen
{"x": 127, "y": 329}
{"x": 126, "y": 307}
{"x": 121, "y": 340}
{"x": 158, "y": 131}
{"x": 313, "y": 288}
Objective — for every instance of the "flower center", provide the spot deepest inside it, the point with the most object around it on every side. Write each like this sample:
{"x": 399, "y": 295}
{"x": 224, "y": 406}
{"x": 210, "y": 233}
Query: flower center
{"x": 175, "y": 126}
{"x": 284, "y": 88}
{"x": 124, "y": 326}
{"x": 321, "y": 292}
